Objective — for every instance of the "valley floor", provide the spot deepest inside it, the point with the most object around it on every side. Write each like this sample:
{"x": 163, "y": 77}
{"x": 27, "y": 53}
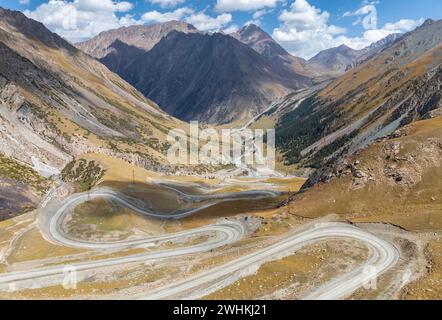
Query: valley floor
{"x": 229, "y": 243}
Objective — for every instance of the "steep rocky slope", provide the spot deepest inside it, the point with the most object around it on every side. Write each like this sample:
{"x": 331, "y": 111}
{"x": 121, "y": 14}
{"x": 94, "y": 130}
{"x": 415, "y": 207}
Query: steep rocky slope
{"x": 193, "y": 75}
{"x": 21, "y": 188}
{"x": 264, "y": 44}
{"x": 143, "y": 37}
{"x": 381, "y": 159}
{"x": 57, "y": 102}
{"x": 399, "y": 85}
{"x": 396, "y": 176}
{"x": 211, "y": 78}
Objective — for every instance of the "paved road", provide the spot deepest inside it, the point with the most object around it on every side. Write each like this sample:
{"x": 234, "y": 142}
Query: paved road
{"x": 383, "y": 254}
{"x": 55, "y": 233}
{"x": 225, "y": 233}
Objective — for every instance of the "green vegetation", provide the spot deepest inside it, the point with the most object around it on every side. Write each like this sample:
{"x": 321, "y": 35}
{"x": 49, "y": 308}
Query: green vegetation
{"x": 318, "y": 159}
{"x": 11, "y": 169}
{"x": 312, "y": 120}
{"x": 299, "y": 129}
{"x": 82, "y": 173}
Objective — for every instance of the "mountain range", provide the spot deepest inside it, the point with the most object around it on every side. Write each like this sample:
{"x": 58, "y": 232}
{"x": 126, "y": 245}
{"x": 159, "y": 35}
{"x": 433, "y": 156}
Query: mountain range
{"x": 193, "y": 75}
{"x": 265, "y": 45}
{"x": 77, "y": 123}
{"x": 399, "y": 85}
{"x": 58, "y": 103}
{"x": 336, "y": 61}
{"x": 241, "y": 73}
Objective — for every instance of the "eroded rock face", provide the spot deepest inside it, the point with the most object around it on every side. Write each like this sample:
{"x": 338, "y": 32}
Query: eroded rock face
{"x": 407, "y": 170}
{"x": 392, "y": 149}
{"x": 360, "y": 179}
{"x": 391, "y": 165}
{"x": 328, "y": 172}
{"x": 10, "y": 95}
{"x": 434, "y": 114}
{"x": 57, "y": 102}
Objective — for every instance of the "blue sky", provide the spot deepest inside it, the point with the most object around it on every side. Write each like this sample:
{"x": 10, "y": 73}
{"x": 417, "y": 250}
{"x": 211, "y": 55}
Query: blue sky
{"x": 303, "y": 27}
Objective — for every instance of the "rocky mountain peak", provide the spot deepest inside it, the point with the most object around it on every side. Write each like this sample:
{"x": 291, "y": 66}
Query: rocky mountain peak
{"x": 32, "y": 29}
{"x": 428, "y": 22}
{"x": 143, "y": 37}
{"x": 259, "y": 40}
{"x": 344, "y": 47}
{"x": 251, "y": 34}
{"x": 251, "y": 28}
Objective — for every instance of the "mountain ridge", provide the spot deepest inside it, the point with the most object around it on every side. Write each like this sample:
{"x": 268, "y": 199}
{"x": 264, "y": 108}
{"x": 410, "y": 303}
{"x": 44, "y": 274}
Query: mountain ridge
{"x": 259, "y": 40}
{"x": 58, "y": 103}
{"x": 262, "y": 82}
{"x": 230, "y": 72}
{"x": 397, "y": 86}
{"x": 143, "y": 37}
{"x": 338, "y": 60}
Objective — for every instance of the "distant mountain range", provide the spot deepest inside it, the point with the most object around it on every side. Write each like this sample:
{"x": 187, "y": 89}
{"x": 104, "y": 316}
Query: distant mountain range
{"x": 192, "y": 75}
{"x": 265, "y": 45}
{"x": 217, "y": 79}
{"x": 336, "y": 61}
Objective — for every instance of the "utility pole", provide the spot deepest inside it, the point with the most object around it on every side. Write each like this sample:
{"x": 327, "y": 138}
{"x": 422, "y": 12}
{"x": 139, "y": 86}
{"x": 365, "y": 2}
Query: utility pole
{"x": 289, "y": 200}
{"x": 429, "y": 220}
{"x": 133, "y": 176}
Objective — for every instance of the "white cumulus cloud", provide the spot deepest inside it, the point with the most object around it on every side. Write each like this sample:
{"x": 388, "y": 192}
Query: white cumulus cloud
{"x": 305, "y": 30}
{"x": 200, "y": 20}
{"x": 244, "y": 5}
{"x": 231, "y": 29}
{"x": 167, "y": 3}
{"x": 367, "y": 16}
{"x": 204, "y": 22}
{"x": 82, "y": 19}
{"x": 160, "y": 17}
{"x": 102, "y": 5}
{"x": 374, "y": 35}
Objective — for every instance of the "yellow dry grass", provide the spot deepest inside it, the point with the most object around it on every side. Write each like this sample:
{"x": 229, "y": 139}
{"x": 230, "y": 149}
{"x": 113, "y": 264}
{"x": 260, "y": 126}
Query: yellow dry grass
{"x": 32, "y": 246}
{"x": 416, "y": 207}
{"x": 291, "y": 277}
{"x": 430, "y": 287}
{"x": 119, "y": 170}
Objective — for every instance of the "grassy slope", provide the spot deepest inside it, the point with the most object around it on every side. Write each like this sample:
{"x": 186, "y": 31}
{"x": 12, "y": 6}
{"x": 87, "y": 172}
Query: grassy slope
{"x": 356, "y": 94}
{"x": 383, "y": 198}
{"x": 11, "y": 169}
{"x": 414, "y": 204}
{"x": 113, "y": 102}
{"x": 20, "y": 188}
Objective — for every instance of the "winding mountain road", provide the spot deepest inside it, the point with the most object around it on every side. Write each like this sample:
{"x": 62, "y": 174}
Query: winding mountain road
{"x": 383, "y": 256}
